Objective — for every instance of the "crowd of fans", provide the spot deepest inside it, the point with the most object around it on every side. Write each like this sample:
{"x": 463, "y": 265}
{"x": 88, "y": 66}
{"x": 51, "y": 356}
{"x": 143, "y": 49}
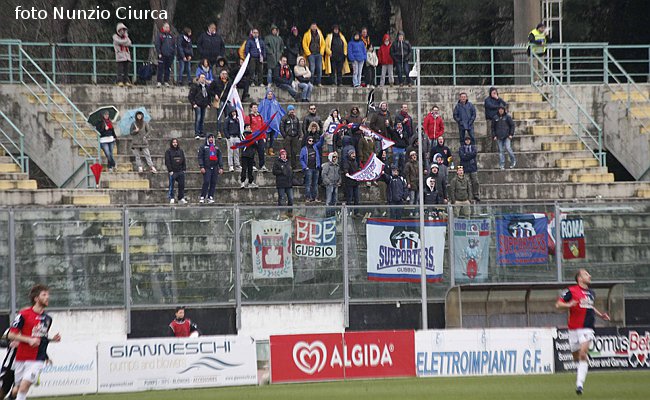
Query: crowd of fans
{"x": 327, "y": 148}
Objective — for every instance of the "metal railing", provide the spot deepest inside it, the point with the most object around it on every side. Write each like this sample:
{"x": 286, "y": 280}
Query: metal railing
{"x": 12, "y": 149}
{"x": 60, "y": 109}
{"x": 159, "y": 256}
{"x": 441, "y": 65}
{"x": 564, "y": 102}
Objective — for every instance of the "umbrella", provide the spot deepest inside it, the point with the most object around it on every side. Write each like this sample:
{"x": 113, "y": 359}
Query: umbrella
{"x": 97, "y": 115}
{"x": 129, "y": 118}
{"x": 97, "y": 171}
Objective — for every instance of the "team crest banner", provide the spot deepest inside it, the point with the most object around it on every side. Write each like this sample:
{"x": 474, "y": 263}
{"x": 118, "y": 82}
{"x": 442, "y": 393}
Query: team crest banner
{"x": 271, "y": 244}
{"x": 522, "y": 239}
{"x": 394, "y": 250}
{"x": 572, "y": 232}
{"x": 472, "y": 249}
{"x": 315, "y": 237}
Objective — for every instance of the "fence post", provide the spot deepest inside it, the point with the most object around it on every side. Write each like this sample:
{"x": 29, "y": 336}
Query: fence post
{"x": 127, "y": 267}
{"x": 237, "y": 269}
{"x": 452, "y": 267}
{"x": 492, "y": 66}
{"x": 11, "y": 58}
{"x": 94, "y": 78}
{"x": 20, "y": 63}
{"x": 568, "y": 65}
{"x": 135, "y": 64}
{"x": 346, "y": 271}
{"x": 558, "y": 241}
{"x": 453, "y": 64}
{"x": 605, "y": 63}
{"x": 12, "y": 263}
{"x": 53, "y": 60}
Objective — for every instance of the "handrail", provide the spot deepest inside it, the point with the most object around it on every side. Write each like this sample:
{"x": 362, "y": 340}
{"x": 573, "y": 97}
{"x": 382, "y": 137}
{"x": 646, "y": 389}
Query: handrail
{"x": 629, "y": 84}
{"x": 22, "y": 160}
{"x": 457, "y": 65}
{"x": 77, "y": 117}
{"x": 548, "y": 79}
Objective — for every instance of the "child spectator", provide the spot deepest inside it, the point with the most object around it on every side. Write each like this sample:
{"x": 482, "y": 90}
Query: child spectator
{"x": 247, "y": 162}
{"x": 329, "y": 126}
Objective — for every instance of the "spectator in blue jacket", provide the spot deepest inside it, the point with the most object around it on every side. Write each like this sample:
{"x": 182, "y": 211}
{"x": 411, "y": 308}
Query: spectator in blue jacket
{"x": 468, "y": 153}
{"x": 310, "y": 162}
{"x": 357, "y": 56}
{"x": 165, "y": 45}
{"x": 492, "y": 104}
{"x": 204, "y": 69}
{"x": 185, "y": 53}
{"x": 464, "y": 115}
{"x": 256, "y": 48}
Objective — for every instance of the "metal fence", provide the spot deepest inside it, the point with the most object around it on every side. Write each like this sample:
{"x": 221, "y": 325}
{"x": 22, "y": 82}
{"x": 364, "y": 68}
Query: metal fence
{"x": 151, "y": 257}
{"x": 441, "y": 65}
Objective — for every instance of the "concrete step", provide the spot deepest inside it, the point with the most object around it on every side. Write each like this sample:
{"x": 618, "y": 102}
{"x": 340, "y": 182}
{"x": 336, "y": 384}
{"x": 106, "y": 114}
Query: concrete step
{"x": 577, "y": 163}
{"x": 14, "y": 176}
{"x": 549, "y": 130}
{"x": 525, "y": 97}
{"x": 133, "y": 184}
{"x": 546, "y": 114}
{"x": 563, "y": 146}
{"x": 20, "y": 184}
{"x": 88, "y": 200}
{"x": 645, "y": 193}
{"x": 591, "y": 177}
{"x": 640, "y": 112}
{"x": 623, "y": 95}
{"x": 43, "y": 98}
{"x": 9, "y": 167}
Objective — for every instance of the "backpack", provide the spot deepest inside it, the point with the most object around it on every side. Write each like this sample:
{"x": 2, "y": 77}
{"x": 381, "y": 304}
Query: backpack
{"x": 145, "y": 72}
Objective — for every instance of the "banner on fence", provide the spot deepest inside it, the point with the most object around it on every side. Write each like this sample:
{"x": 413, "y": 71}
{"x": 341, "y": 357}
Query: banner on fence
{"x": 271, "y": 244}
{"x": 484, "y": 352}
{"x": 612, "y": 348}
{"x": 472, "y": 249}
{"x": 73, "y": 370}
{"x": 315, "y": 357}
{"x": 394, "y": 249}
{"x": 522, "y": 239}
{"x": 572, "y": 232}
{"x": 315, "y": 237}
{"x": 161, "y": 363}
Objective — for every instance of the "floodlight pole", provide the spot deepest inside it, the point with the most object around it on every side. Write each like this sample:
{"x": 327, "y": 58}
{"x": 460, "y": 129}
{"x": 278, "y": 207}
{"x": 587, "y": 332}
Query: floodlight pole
{"x": 423, "y": 264}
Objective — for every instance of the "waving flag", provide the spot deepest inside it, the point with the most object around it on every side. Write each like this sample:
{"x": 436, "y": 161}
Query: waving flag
{"x": 372, "y": 171}
{"x": 232, "y": 94}
{"x": 385, "y": 142}
{"x": 255, "y": 136}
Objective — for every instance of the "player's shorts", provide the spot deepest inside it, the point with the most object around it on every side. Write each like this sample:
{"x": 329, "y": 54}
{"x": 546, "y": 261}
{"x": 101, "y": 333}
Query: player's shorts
{"x": 28, "y": 370}
{"x": 579, "y": 336}
{"x": 6, "y": 380}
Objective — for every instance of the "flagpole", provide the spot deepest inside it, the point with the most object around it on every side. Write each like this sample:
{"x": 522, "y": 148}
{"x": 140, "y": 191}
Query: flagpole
{"x": 423, "y": 264}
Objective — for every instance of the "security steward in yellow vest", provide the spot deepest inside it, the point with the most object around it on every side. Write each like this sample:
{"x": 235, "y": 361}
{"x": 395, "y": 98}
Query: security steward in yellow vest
{"x": 537, "y": 40}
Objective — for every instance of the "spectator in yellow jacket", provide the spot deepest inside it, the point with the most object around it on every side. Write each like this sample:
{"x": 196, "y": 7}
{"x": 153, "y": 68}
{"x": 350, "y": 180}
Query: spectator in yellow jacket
{"x": 335, "y": 63}
{"x": 313, "y": 47}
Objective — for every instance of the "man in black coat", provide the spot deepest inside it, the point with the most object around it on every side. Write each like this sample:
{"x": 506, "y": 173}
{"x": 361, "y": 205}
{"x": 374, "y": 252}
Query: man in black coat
{"x": 468, "y": 153}
{"x": 503, "y": 129}
{"x": 176, "y": 166}
{"x": 211, "y": 45}
{"x": 199, "y": 97}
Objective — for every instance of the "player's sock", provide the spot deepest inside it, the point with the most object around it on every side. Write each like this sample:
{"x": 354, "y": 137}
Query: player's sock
{"x": 21, "y": 396}
{"x": 583, "y": 366}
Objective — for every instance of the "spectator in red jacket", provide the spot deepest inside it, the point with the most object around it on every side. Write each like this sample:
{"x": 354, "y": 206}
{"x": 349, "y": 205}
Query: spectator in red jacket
{"x": 256, "y": 122}
{"x": 434, "y": 126}
{"x": 386, "y": 61}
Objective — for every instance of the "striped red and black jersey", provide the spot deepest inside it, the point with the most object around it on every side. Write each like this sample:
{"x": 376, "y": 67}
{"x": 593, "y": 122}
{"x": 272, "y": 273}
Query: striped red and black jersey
{"x": 29, "y": 323}
{"x": 582, "y": 315}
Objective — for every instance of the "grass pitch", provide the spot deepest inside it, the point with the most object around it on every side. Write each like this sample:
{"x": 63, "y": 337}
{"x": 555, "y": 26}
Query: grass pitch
{"x": 632, "y": 385}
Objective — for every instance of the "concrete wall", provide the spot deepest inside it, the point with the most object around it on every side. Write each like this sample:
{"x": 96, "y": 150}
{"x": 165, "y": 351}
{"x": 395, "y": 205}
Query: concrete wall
{"x": 44, "y": 143}
{"x": 261, "y": 321}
